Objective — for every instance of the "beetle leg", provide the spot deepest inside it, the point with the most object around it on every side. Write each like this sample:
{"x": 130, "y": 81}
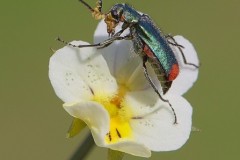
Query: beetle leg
{"x": 111, "y": 40}
{"x": 124, "y": 27}
{"x": 155, "y": 89}
{"x": 119, "y": 33}
{"x": 98, "y": 45}
{"x": 173, "y": 42}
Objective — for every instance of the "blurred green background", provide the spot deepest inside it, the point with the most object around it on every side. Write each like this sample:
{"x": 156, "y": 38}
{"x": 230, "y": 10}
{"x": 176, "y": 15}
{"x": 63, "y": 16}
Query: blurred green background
{"x": 32, "y": 121}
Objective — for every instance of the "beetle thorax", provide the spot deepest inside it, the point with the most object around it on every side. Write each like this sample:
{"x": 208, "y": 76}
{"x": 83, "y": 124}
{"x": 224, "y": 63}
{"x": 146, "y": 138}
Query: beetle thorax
{"x": 130, "y": 15}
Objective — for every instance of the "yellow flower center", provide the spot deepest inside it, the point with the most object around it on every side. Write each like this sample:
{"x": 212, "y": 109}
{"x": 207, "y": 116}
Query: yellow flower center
{"x": 119, "y": 113}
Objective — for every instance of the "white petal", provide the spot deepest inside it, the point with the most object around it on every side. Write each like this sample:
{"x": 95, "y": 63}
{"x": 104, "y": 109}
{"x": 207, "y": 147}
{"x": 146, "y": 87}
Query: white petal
{"x": 76, "y": 74}
{"x": 101, "y": 31}
{"x": 188, "y": 74}
{"x": 156, "y": 129}
{"x": 97, "y": 119}
{"x": 141, "y": 99}
{"x": 132, "y": 148}
{"x": 94, "y": 115}
{"x": 118, "y": 54}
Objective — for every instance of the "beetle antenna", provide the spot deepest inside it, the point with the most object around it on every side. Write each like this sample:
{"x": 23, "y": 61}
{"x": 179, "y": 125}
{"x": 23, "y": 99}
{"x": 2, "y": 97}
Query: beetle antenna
{"x": 99, "y": 5}
{"x": 87, "y": 5}
{"x": 97, "y": 11}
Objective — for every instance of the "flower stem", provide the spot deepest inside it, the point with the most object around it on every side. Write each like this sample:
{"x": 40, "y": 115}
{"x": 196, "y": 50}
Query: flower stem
{"x": 84, "y": 148}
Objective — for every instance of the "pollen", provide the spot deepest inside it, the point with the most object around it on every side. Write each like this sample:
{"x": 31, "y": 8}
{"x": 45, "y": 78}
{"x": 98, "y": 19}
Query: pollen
{"x": 119, "y": 113}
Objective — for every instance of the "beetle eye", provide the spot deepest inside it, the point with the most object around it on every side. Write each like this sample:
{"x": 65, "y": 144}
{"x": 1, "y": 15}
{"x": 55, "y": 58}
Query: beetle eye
{"x": 114, "y": 14}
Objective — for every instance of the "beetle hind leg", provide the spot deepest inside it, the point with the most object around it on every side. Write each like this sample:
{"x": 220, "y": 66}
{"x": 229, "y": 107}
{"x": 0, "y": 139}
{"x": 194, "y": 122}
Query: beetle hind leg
{"x": 172, "y": 41}
{"x": 156, "y": 90}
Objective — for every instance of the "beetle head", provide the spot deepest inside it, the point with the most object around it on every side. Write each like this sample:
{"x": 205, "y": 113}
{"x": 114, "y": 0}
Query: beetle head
{"x": 113, "y": 17}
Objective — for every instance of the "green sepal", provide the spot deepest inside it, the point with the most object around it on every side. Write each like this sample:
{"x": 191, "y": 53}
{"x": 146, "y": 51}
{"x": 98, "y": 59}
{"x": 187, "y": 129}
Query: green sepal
{"x": 115, "y": 155}
{"x": 76, "y": 127}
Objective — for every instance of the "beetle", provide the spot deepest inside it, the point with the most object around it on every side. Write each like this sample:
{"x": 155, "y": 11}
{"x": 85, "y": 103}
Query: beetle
{"x": 149, "y": 42}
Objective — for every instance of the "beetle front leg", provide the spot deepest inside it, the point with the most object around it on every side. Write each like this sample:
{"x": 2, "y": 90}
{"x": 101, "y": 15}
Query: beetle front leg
{"x": 98, "y": 45}
{"x": 111, "y": 40}
{"x": 155, "y": 89}
{"x": 124, "y": 27}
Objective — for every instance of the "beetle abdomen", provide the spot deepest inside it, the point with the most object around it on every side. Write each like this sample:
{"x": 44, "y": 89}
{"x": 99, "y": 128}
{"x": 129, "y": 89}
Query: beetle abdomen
{"x": 173, "y": 72}
{"x": 164, "y": 78}
{"x": 161, "y": 75}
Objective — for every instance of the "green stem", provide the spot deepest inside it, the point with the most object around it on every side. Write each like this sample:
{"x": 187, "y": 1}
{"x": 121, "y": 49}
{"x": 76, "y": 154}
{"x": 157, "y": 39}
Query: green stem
{"x": 84, "y": 148}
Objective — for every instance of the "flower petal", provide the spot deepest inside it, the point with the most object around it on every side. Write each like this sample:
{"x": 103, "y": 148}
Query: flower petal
{"x": 94, "y": 115}
{"x": 97, "y": 119}
{"x": 153, "y": 126}
{"x": 101, "y": 31}
{"x": 131, "y": 147}
{"x": 188, "y": 74}
{"x": 118, "y": 54}
{"x": 123, "y": 63}
{"x": 76, "y": 74}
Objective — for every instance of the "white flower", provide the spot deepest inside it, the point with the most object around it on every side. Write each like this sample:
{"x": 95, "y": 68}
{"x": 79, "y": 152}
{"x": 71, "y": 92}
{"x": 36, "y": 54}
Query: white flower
{"x": 106, "y": 88}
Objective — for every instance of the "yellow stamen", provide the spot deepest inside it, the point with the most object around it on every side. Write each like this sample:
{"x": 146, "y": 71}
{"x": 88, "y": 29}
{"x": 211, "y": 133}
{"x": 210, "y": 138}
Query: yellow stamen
{"x": 120, "y": 114}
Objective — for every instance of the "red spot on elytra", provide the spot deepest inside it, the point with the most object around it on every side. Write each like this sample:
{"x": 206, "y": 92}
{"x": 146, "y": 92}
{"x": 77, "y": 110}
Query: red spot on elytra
{"x": 173, "y": 72}
{"x": 148, "y": 51}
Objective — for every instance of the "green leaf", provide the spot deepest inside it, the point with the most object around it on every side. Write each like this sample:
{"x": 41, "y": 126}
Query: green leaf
{"x": 76, "y": 127}
{"x": 115, "y": 155}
